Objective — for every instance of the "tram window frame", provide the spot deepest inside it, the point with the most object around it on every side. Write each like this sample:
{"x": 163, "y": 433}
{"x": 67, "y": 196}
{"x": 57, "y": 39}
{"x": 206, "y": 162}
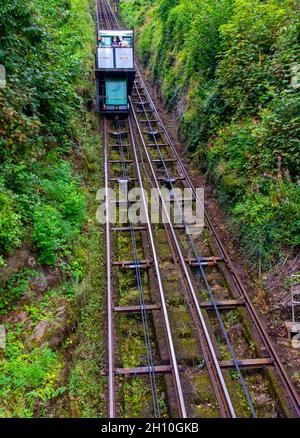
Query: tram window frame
{"x": 129, "y": 40}
{"x": 104, "y": 41}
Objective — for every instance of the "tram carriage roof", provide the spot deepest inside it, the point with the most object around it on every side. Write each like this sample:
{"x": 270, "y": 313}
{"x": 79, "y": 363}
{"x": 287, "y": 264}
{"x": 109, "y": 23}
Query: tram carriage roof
{"x": 122, "y": 33}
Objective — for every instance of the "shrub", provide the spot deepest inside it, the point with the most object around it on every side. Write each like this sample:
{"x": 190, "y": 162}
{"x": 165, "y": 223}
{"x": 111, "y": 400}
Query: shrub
{"x": 63, "y": 190}
{"x": 27, "y": 378}
{"x": 51, "y": 233}
{"x": 14, "y": 288}
{"x": 10, "y": 223}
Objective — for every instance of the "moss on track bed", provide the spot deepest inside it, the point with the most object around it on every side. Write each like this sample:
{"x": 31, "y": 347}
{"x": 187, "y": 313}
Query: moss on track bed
{"x": 194, "y": 378}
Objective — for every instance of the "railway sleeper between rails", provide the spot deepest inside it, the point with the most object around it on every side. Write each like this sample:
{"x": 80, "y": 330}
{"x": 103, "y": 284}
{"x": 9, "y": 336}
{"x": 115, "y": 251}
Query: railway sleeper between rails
{"x": 222, "y": 305}
{"x": 153, "y": 133}
{"x": 131, "y": 264}
{"x": 130, "y": 179}
{"x": 149, "y": 121}
{"x": 119, "y": 134}
{"x": 128, "y": 229}
{"x": 141, "y": 102}
{"x": 210, "y": 261}
{"x": 154, "y": 145}
{"x": 158, "y": 369}
{"x": 165, "y": 160}
{"x": 166, "y": 369}
{"x": 136, "y": 309}
{"x": 248, "y": 363}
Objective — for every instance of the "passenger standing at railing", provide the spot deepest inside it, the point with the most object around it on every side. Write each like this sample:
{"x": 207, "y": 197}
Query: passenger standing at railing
{"x": 116, "y": 42}
{"x": 123, "y": 43}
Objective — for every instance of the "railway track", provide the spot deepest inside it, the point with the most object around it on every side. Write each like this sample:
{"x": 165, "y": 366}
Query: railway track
{"x": 123, "y": 144}
{"x": 146, "y": 156}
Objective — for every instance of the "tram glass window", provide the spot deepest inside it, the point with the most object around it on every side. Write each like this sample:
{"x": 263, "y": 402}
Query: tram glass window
{"x": 128, "y": 40}
{"x": 116, "y": 93}
{"x": 106, "y": 41}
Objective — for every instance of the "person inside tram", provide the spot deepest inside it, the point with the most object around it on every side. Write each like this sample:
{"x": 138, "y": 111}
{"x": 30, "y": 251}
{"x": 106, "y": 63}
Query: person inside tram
{"x": 116, "y": 41}
{"x": 123, "y": 43}
{"x": 99, "y": 41}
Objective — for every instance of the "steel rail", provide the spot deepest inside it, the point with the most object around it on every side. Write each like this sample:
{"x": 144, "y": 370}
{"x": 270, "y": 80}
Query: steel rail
{"x": 109, "y": 14}
{"x": 149, "y": 353}
{"x": 101, "y": 17}
{"x": 224, "y": 411}
{"x": 228, "y": 402}
{"x": 186, "y": 273}
{"x": 106, "y": 21}
{"x": 175, "y": 371}
{"x": 110, "y": 322}
{"x": 285, "y": 380}
{"x": 175, "y": 368}
{"x": 201, "y": 269}
{"x": 150, "y": 361}
{"x": 178, "y": 386}
{"x": 173, "y": 359}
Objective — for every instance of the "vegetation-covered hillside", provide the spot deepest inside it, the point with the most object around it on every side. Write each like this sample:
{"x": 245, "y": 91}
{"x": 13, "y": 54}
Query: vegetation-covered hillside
{"x": 231, "y": 69}
{"x": 47, "y": 226}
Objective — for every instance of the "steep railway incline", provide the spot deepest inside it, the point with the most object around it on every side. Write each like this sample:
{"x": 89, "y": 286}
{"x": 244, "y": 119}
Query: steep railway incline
{"x": 172, "y": 274}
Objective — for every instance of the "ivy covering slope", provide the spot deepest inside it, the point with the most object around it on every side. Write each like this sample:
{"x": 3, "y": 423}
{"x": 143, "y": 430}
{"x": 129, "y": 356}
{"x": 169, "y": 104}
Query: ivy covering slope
{"x": 47, "y": 225}
{"x": 43, "y": 51}
{"x": 231, "y": 70}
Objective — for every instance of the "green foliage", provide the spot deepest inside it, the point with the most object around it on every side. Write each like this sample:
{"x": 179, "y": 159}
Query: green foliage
{"x": 64, "y": 191}
{"x": 50, "y": 233}
{"x": 27, "y": 378}
{"x": 231, "y": 71}
{"x": 55, "y": 225}
{"x": 133, "y": 12}
{"x": 252, "y": 70}
{"x": 47, "y": 49}
{"x": 268, "y": 219}
{"x": 14, "y": 288}
{"x": 44, "y": 46}
{"x": 10, "y": 223}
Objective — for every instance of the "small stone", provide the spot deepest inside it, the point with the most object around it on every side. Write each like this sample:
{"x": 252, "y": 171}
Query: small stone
{"x": 21, "y": 317}
{"x": 40, "y": 331}
{"x": 262, "y": 399}
{"x": 56, "y": 330}
{"x": 31, "y": 262}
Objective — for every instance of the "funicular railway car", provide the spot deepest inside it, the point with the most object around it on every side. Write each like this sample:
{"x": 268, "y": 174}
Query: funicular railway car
{"x": 115, "y": 71}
